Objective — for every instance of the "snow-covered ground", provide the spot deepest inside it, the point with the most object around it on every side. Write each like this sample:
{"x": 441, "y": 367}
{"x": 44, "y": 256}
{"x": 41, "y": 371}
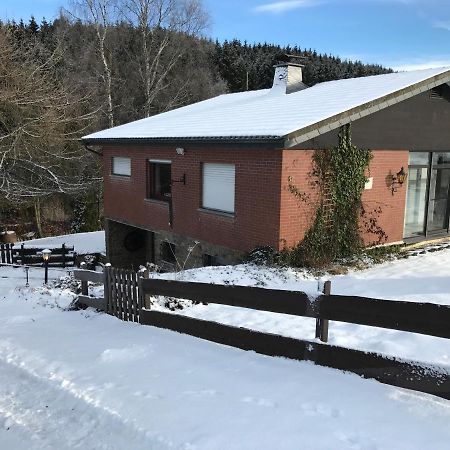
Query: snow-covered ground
{"x": 93, "y": 242}
{"x": 82, "y": 379}
{"x": 422, "y": 278}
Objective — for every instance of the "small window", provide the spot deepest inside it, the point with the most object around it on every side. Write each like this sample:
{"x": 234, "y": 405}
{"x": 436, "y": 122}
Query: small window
{"x": 218, "y": 187}
{"x": 159, "y": 180}
{"x": 121, "y": 166}
{"x": 168, "y": 252}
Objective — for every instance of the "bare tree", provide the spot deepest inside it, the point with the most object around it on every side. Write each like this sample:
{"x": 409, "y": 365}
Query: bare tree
{"x": 40, "y": 122}
{"x": 161, "y": 23}
{"x": 101, "y": 14}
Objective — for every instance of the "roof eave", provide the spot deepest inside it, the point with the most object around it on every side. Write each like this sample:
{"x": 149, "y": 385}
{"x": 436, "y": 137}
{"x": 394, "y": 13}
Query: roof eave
{"x": 272, "y": 141}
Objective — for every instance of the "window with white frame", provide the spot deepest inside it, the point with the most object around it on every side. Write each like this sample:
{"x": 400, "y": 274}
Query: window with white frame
{"x": 218, "y": 187}
{"x": 121, "y": 166}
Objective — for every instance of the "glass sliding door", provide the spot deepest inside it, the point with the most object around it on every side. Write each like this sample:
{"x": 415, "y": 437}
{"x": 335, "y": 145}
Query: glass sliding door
{"x": 417, "y": 194}
{"x": 428, "y": 194}
{"x": 438, "y": 209}
{"x": 416, "y": 201}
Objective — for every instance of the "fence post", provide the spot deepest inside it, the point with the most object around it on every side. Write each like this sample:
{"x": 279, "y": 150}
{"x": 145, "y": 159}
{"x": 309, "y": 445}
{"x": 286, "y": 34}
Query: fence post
{"x": 323, "y": 324}
{"x": 63, "y": 247}
{"x": 147, "y": 297}
{"x": 144, "y": 299}
{"x": 84, "y": 284}
{"x": 106, "y": 287}
{"x": 112, "y": 295}
{"x": 9, "y": 253}
{"x": 22, "y": 254}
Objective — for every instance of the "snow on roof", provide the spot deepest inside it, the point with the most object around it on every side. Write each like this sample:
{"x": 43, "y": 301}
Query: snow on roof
{"x": 268, "y": 113}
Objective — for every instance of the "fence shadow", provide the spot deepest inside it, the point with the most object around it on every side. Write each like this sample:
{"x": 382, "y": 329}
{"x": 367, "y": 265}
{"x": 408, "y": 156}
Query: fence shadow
{"x": 126, "y": 295}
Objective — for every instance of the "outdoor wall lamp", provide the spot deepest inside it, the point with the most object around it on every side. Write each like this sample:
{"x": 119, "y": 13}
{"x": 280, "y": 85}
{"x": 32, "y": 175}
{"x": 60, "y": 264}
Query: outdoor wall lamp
{"x": 180, "y": 151}
{"x": 398, "y": 179}
{"x": 46, "y": 256}
{"x": 181, "y": 180}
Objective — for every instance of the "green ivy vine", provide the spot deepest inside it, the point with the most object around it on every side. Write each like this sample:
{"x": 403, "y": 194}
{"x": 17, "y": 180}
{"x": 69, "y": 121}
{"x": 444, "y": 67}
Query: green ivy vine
{"x": 340, "y": 174}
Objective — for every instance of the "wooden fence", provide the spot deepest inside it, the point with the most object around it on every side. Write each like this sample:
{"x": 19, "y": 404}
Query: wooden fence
{"x": 430, "y": 319}
{"x": 120, "y": 292}
{"x": 122, "y": 296}
{"x": 12, "y": 254}
{"x": 6, "y": 254}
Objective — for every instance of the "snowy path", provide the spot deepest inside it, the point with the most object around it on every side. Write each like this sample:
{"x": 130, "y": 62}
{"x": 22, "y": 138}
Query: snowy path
{"x": 60, "y": 418}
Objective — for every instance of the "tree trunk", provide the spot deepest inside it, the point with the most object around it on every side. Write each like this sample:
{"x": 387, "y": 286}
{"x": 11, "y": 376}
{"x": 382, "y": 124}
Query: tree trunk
{"x": 101, "y": 35}
{"x": 37, "y": 217}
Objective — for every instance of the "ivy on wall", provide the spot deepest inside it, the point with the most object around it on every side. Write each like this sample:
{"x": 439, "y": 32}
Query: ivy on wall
{"x": 340, "y": 175}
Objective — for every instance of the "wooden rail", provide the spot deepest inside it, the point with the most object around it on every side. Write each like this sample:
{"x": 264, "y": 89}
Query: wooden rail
{"x": 423, "y": 318}
{"x": 94, "y": 277}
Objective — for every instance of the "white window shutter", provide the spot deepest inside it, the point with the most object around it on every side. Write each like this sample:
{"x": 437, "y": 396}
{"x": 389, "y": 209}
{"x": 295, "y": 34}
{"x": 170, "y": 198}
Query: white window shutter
{"x": 218, "y": 186}
{"x": 121, "y": 166}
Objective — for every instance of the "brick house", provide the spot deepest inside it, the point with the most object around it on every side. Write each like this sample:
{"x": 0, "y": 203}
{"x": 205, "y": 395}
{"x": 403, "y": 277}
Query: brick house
{"x": 214, "y": 175}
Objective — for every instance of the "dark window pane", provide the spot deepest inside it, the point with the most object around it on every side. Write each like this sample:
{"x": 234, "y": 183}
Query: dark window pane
{"x": 439, "y": 191}
{"x": 160, "y": 181}
{"x": 437, "y": 219}
{"x": 441, "y": 158}
{"x": 442, "y": 183}
{"x": 164, "y": 179}
{"x": 418, "y": 158}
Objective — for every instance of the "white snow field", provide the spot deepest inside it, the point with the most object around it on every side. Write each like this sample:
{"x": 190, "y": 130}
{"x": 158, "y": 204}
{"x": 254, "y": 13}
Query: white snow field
{"x": 92, "y": 242}
{"x": 82, "y": 379}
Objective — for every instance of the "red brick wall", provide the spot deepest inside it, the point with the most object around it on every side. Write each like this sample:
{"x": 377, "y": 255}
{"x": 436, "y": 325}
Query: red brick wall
{"x": 296, "y": 217}
{"x": 257, "y": 202}
{"x": 265, "y": 211}
{"x": 383, "y": 166}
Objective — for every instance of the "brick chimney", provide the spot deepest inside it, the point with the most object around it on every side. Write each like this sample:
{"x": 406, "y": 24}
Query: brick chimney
{"x": 288, "y": 78}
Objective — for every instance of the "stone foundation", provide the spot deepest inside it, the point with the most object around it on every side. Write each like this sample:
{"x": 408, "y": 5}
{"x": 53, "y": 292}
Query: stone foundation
{"x": 189, "y": 253}
{"x": 117, "y": 253}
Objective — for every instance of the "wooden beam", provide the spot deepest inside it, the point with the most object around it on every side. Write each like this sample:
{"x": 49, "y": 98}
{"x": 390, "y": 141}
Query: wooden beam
{"x": 423, "y": 318}
{"x": 279, "y": 301}
{"x": 89, "y": 275}
{"x": 93, "y": 302}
